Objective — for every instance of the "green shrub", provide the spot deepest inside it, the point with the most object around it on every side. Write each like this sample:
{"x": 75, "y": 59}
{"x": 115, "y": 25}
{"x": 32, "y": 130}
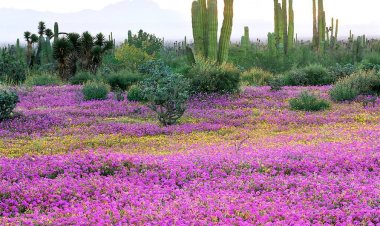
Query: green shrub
{"x": 95, "y": 91}
{"x": 311, "y": 75}
{"x": 43, "y": 80}
{"x": 340, "y": 71}
{"x": 131, "y": 56}
{"x": 135, "y": 93}
{"x": 123, "y": 79}
{"x": 308, "y": 102}
{"x": 82, "y": 78}
{"x": 256, "y": 77}
{"x": 210, "y": 77}
{"x": 276, "y": 83}
{"x": 8, "y": 102}
{"x": 166, "y": 96}
{"x": 361, "y": 82}
{"x": 12, "y": 70}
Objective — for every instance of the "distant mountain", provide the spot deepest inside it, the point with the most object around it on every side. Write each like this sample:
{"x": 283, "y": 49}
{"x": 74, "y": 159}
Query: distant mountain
{"x": 117, "y": 18}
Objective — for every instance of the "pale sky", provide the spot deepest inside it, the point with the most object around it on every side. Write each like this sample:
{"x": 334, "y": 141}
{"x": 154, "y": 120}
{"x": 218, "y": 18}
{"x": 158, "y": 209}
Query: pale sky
{"x": 360, "y": 16}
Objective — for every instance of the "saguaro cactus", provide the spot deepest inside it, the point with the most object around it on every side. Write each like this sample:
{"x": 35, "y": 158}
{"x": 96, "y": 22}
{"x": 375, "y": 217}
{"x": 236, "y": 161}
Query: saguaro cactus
{"x": 56, "y": 32}
{"x": 291, "y": 25}
{"x": 225, "y": 36}
{"x": 212, "y": 29}
{"x": 315, "y": 28}
{"x": 205, "y": 29}
{"x": 245, "y": 40}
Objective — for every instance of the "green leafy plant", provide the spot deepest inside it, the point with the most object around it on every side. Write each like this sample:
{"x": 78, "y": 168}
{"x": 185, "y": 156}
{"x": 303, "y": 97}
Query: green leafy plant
{"x": 131, "y": 56}
{"x": 43, "y": 79}
{"x": 82, "y": 78}
{"x": 308, "y": 102}
{"x": 361, "y": 82}
{"x": 94, "y": 90}
{"x": 135, "y": 93}
{"x": 8, "y": 102}
{"x": 12, "y": 69}
{"x": 256, "y": 77}
{"x": 166, "y": 96}
{"x": 123, "y": 79}
{"x": 210, "y": 77}
{"x": 311, "y": 75}
{"x": 148, "y": 43}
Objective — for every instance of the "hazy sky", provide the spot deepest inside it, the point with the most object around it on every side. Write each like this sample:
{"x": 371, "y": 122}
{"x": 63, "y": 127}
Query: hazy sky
{"x": 360, "y": 16}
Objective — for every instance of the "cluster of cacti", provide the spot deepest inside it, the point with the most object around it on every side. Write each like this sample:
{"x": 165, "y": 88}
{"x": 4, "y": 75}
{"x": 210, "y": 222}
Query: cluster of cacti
{"x": 323, "y": 36}
{"x": 284, "y": 25}
{"x": 245, "y": 40}
{"x": 205, "y": 29}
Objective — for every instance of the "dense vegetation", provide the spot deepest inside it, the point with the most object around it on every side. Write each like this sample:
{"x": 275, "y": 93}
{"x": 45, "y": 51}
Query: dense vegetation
{"x": 278, "y": 131}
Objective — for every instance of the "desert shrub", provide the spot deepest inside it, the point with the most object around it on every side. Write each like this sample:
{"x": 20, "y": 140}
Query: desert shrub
{"x": 256, "y": 77}
{"x": 166, "y": 96}
{"x": 340, "y": 71}
{"x": 276, "y": 83}
{"x": 81, "y": 78}
{"x": 131, "y": 56}
{"x": 361, "y": 82}
{"x": 123, "y": 79}
{"x": 210, "y": 77}
{"x": 135, "y": 93}
{"x": 311, "y": 75}
{"x": 94, "y": 90}
{"x": 8, "y": 102}
{"x": 154, "y": 67}
{"x": 43, "y": 80}
{"x": 308, "y": 102}
{"x": 149, "y": 43}
{"x": 12, "y": 69}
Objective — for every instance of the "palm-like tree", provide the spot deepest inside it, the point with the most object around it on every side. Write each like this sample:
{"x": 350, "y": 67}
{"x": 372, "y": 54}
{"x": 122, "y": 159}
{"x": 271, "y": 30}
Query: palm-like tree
{"x": 62, "y": 49}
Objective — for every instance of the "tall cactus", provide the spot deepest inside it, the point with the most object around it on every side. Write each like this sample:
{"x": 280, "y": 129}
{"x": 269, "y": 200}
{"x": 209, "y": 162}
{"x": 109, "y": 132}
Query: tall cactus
{"x": 276, "y": 18}
{"x": 315, "y": 25}
{"x": 291, "y": 25}
{"x": 285, "y": 28}
{"x": 205, "y": 29}
{"x": 225, "y": 35}
{"x": 56, "y": 32}
{"x": 245, "y": 40}
{"x": 336, "y": 29}
{"x": 212, "y": 29}
{"x": 321, "y": 25}
{"x": 197, "y": 28}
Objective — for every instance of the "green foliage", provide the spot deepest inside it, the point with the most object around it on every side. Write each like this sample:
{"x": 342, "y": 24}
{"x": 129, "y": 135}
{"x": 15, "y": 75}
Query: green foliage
{"x": 135, "y": 93}
{"x": 131, "y": 56}
{"x": 146, "y": 42}
{"x": 94, "y": 90}
{"x": 123, "y": 79}
{"x": 276, "y": 83}
{"x": 256, "y": 77}
{"x": 82, "y": 78}
{"x": 308, "y": 102}
{"x": 12, "y": 69}
{"x": 155, "y": 67}
{"x": 166, "y": 96}
{"x": 309, "y": 76}
{"x": 43, "y": 79}
{"x": 361, "y": 82}
{"x": 340, "y": 71}
{"x": 210, "y": 77}
{"x": 8, "y": 102}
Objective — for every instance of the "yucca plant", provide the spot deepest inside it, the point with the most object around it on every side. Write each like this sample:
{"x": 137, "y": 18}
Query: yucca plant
{"x": 62, "y": 49}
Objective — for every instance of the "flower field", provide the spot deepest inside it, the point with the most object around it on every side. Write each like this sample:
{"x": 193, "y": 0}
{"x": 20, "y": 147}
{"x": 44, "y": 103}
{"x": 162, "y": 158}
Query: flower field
{"x": 232, "y": 160}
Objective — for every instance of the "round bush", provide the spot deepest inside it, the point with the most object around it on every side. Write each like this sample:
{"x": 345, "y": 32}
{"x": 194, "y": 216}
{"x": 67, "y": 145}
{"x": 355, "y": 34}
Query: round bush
{"x": 12, "y": 70}
{"x": 43, "y": 80}
{"x": 123, "y": 79}
{"x": 82, "y": 78}
{"x": 311, "y": 75}
{"x": 361, "y": 82}
{"x": 210, "y": 77}
{"x": 95, "y": 91}
{"x": 8, "y": 102}
{"x": 256, "y": 77}
{"x": 135, "y": 93}
{"x": 308, "y": 102}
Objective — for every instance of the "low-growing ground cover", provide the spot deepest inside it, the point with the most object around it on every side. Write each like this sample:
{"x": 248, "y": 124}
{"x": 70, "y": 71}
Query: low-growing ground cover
{"x": 243, "y": 159}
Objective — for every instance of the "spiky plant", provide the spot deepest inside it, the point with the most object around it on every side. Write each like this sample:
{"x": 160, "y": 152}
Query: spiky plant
{"x": 41, "y": 28}
{"x": 62, "y": 48}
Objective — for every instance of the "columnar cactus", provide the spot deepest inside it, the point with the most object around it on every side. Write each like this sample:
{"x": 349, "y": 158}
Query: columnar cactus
{"x": 225, "y": 35}
{"x": 291, "y": 25}
{"x": 205, "y": 29}
{"x": 315, "y": 27}
{"x": 56, "y": 31}
{"x": 212, "y": 30}
{"x": 245, "y": 40}
{"x": 276, "y": 18}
